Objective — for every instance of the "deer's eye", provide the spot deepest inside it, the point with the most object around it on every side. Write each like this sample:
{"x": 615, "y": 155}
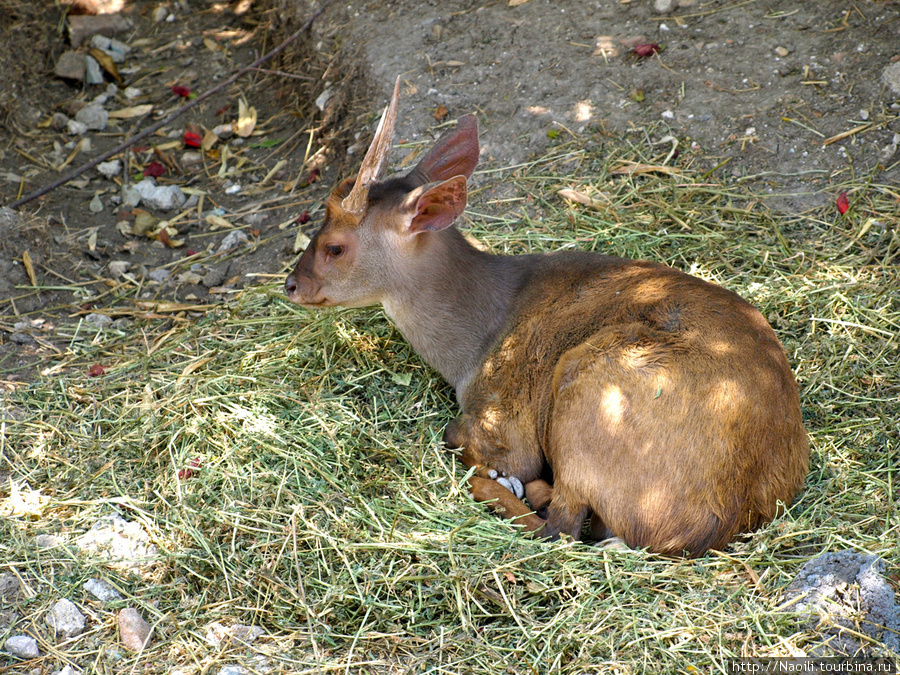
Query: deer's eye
{"x": 334, "y": 250}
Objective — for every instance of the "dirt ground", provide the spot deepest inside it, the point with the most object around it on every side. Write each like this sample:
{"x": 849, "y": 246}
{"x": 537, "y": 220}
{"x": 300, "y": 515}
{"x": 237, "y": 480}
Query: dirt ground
{"x": 791, "y": 97}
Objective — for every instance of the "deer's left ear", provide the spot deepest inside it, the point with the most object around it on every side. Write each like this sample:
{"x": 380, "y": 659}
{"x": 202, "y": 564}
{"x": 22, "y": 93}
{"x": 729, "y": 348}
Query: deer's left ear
{"x": 455, "y": 153}
{"x": 435, "y": 207}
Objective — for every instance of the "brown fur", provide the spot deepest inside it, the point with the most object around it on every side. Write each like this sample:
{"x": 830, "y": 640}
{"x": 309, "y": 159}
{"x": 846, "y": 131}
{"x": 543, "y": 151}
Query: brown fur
{"x": 664, "y": 405}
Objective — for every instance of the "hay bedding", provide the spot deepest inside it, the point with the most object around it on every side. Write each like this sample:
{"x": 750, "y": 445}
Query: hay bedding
{"x": 288, "y": 470}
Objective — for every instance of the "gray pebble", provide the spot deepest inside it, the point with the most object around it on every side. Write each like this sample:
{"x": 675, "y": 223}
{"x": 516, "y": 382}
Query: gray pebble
{"x": 22, "y": 646}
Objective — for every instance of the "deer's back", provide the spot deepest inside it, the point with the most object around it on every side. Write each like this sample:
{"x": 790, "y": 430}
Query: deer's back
{"x": 640, "y": 384}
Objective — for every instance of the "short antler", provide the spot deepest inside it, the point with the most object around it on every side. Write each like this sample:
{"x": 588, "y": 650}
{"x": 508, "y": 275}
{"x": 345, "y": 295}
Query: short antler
{"x": 375, "y": 159}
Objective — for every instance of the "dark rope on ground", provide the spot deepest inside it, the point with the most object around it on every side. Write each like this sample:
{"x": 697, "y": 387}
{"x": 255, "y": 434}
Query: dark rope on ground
{"x": 175, "y": 115}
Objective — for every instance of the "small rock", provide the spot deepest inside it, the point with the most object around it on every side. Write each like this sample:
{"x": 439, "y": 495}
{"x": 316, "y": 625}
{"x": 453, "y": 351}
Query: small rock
{"x": 233, "y": 670}
{"x": 118, "y": 540}
{"x": 100, "y": 42}
{"x": 891, "y": 77}
{"x": 864, "y": 115}
{"x": 9, "y": 586}
{"x": 232, "y": 239}
{"x": 160, "y": 13}
{"x": 190, "y": 157}
{"x": 233, "y": 189}
{"x": 130, "y": 196}
{"x": 834, "y": 590}
{"x": 96, "y": 205}
{"x": 131, "y": 93}
{"x": 161, "y": 197}
{"x": 134, "y": 631}
{"x": 782, "y": 51}
{"x": 215, "y": 277}
{"x": 102, "y": 590}
{"x": 115, "y": 49}
{"x": 59, "y": 121}
{"x": 47, "y": 541}
{"x": 68, "y": 670}
{"x": 65, "y": 619}
{"x": 323, "y": 99}
{"x": 663, "y": 6}
{"x": 98, "y": 320}
{"x": 22, "y": 646}
{"x": 83, "y": 26}
{"x": 189, "y": 278}
{"x": 70, "y": 66}
{"x": 224, "y": 131}
{"x": 117, "y": 268}
{"x": 159, "y": 275}
{"x": 217, "y": 632}
{"x": 111, "y": 168}
{"x": 92, "y": 72}
{"x": 117, "y": 46}
{"x": 93, "y": 116}
{"x": 668, "y": 115}
{"x": 246, "y": 634}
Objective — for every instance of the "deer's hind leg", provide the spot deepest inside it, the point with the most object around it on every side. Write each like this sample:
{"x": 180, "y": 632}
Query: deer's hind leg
{"x": 608, "y": 438}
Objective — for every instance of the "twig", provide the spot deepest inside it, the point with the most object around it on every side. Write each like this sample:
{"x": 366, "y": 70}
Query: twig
{"x": 178, "y": 113}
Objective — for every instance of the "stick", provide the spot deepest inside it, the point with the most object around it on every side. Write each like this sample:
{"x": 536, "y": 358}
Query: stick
{"x": 178, "y": 113}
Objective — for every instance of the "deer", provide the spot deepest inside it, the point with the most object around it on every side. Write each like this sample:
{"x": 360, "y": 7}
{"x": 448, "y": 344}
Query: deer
{"x": 626, "y": 399}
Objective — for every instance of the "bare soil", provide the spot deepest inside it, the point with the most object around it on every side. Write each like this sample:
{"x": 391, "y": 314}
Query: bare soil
{"x": 788, "y": 97}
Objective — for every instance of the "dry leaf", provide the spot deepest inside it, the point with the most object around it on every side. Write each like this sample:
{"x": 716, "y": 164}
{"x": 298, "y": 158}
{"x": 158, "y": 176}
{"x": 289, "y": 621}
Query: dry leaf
{"x": 144, "y": 222}
{"x": 218, "y": 222}
{"x": 212, "y": 45}
{"x": 440, "y": 113}
{"x": 209, "y": 140}
{"x": 246, "y": 119}
{"x": 633, "y": 168}
{"x": 582, "y": 198}
{"x": 106, "y": 62}
{"x": 29, "y": 267}
{"x": 129, "y": 113}
{"x": 516, "y": 3}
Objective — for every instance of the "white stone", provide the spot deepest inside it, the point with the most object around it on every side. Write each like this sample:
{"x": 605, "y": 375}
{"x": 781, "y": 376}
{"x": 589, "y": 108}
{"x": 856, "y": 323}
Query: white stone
{"x": 22, "y": 646}
{"x": 161, "y": 197}
{"x": 93, "y": 116}
{"x": 116, "y": 268}
{"x": 232, "y": 239}
{"x": 76, "y": 128}
{"x": 111, "y": 168}
{"x": 98, "y": 320}
{"x": 92, "y": 72}
{"x": 65, "y": 619}
{"x": 891, "y": 77}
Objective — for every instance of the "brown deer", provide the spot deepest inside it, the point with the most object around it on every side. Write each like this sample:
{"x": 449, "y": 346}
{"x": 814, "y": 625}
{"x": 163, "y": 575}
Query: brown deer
{"x": 661, "y": 405}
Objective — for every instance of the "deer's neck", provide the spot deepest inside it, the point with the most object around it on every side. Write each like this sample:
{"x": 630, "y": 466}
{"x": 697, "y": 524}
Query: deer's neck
{"x": 454, "y": 304}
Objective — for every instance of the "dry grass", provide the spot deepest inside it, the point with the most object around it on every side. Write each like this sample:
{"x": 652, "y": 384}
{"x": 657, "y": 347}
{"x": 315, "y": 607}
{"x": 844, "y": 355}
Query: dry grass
{"x": 325, "y": 510}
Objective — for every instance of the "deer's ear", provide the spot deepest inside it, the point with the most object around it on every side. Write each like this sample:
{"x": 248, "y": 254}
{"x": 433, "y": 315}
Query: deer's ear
{"x": 454, "y": 154}
{"x": 435, "y": 207}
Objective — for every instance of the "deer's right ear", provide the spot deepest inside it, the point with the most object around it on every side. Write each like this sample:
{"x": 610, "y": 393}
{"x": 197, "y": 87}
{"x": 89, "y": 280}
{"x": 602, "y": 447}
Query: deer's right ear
{"x": 454, "y": 154}
{"x": 436, "y": 207}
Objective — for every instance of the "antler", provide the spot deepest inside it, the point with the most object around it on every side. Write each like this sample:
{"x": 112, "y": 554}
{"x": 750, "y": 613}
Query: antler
{"x": 375, "y": 158}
